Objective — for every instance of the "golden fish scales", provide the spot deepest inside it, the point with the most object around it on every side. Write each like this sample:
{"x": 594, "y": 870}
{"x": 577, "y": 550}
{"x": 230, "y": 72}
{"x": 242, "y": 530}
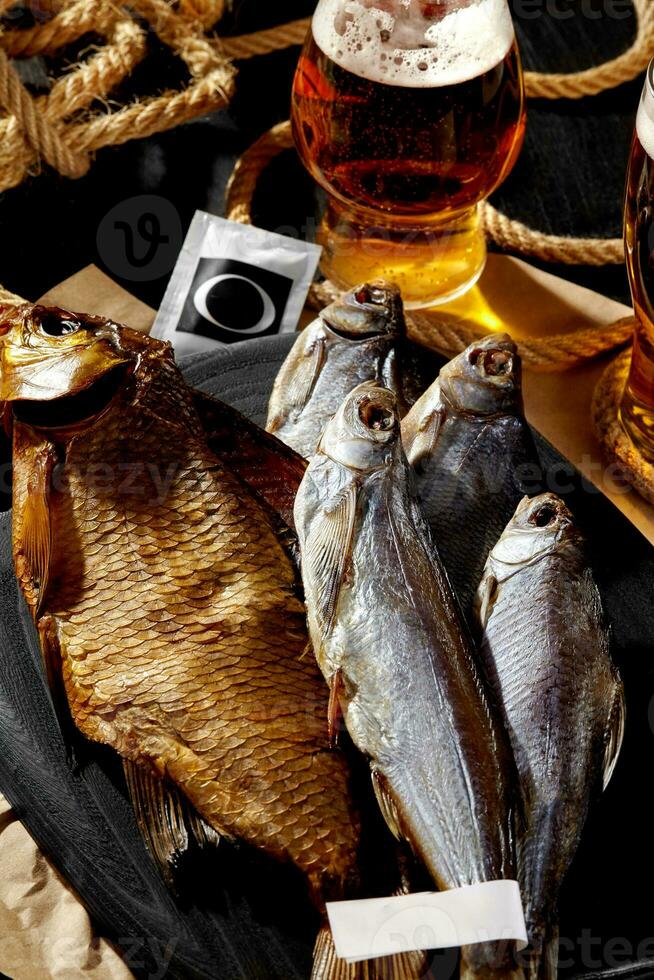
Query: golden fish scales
{"x": 172, "y": 609}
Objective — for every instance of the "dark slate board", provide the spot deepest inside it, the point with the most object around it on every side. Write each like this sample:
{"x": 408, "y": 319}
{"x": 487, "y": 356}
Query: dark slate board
{"x": 243, "y": 920}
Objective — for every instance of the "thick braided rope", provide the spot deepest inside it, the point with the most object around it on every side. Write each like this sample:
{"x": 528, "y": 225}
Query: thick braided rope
{"x": 181, "y": 29}
{"x": 627, "y": 66}
{"x": 37, "y": 128}
{"x": 96, "y": 78}
{"x": 557, "y": 352}
{"x": 450, "y": 335}
{"x": 69, "y": 24}
{"x": 243, "y": 181}
{"x": 71, "y": 93}
{"x": 43, "y": 128}
{"x": 154, "y": 116}
{"x": 43, "y": 137}
{"x": 265, "y": 42}
{"x": 439, "y": 331}
{"x": 206, "y": 12}
{"x": 184, "y": 37}
{"x": 514, "y": 236}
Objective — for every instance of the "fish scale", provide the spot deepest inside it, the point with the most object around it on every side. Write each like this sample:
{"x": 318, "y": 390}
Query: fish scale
{"x": 472, "y": 452}
{"x": 180, "y": 631}
{"x": 391, "y": 643}
{"x": 152, "y": 544}
{"x": 546, "y": 654}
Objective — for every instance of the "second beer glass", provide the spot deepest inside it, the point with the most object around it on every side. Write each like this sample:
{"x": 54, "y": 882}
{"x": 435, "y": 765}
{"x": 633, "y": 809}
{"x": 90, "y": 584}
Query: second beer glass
{"x": 408, "y": 113}
{"x": 638, "y": 401}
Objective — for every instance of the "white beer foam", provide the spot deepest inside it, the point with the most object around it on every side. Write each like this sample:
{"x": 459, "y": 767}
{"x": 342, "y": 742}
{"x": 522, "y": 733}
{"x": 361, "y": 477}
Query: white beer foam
{"x": 466, "y": 43}
{"x": 645, "y": 121}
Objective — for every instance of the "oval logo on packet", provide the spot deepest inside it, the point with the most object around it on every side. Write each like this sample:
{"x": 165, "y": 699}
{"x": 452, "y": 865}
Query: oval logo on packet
{"x": 231, "y": 300}
{"x": 233, "y": 282}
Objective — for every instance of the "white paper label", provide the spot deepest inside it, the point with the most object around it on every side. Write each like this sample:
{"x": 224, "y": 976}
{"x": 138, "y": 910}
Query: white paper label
{"x": 374, "y": 927}
{"x": 234, "y": 282}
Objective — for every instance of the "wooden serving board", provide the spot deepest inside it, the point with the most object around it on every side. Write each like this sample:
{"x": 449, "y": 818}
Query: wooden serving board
{"x": 241, "y": 918}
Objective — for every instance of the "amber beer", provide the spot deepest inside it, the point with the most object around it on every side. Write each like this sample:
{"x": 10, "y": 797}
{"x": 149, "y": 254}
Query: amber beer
{"x": 408, "y": 114}
{"x": 638, "y": 401}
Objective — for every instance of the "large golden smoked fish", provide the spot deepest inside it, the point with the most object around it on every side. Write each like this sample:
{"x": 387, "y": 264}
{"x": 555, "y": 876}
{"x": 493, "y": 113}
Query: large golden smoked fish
{"x": 167, "y": 609}
{"x": 472, "y": 451}
{"x": 389, "y": 639}
{"x": 361, "y": 337}
{"x": 546, "y": 652}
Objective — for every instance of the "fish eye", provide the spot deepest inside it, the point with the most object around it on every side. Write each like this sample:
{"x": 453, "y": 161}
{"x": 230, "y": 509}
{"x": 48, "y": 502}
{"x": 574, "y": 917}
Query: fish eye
{"x": 54, "y": 326}
{"x": 544, "y": 516}
{"x": 376, "y": 417}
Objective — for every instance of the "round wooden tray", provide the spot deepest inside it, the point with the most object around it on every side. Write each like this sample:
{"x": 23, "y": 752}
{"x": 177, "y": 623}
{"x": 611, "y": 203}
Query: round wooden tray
{"x": 608, "y": 429}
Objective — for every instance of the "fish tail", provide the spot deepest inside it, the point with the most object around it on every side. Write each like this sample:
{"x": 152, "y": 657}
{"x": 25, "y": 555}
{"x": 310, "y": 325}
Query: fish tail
{"x": 328, "y": 966}
{"x": 542, "y": 962}
{"x": 491, "y": 961}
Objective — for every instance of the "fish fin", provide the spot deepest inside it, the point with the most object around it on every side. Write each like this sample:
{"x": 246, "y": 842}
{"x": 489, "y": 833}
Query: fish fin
{"x": 335, "y": 712}
{"x": 296, "y": 381}
{"x": 52, "y": 665}
{"x": 167, "y": 822}
{"x": 614, "y": 733}
{"x": 543, "y": 963}
{"x": 491, "y": 961}
{"x": 386, "y": 803}
{"x": 271, "y": 470}
{"x": 392, "y": 378}
{"x": 326, "y": 554}
{"x": 486, "y": 598}
{"x": 328, "y": 966}
{"x": 425, "y": 439}
{"x": 33, "y": 541}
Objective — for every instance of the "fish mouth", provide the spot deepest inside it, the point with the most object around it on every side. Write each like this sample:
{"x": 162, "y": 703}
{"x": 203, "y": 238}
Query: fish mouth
{"x": 376, "y": 416}
{"x": 546, "y": 512}
{"x": 376, "y": 410}
{"x": 76, "y": 410}
{"x": 495, "y": 362}
{"x": 377, "y": 293}
{"x": 371, "y": 310}
{"x": 544, "y": 516}
{"x": 363, "y": 432}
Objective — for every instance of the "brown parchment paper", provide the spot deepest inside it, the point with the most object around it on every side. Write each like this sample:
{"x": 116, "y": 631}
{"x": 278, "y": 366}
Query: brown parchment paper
{"x": 44, "y": 931}
{"x": 91, "y": 291}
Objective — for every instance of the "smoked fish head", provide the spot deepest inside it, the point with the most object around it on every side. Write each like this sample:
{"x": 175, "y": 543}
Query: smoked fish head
{"x": 75, "y": 362}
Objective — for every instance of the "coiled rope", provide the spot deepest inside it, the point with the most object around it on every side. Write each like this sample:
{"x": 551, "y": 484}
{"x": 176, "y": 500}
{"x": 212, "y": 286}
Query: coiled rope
{"x": 65, "y": 127}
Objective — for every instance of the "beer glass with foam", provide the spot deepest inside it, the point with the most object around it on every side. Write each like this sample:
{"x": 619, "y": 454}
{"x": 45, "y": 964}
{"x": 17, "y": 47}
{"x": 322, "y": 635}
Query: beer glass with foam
{"x": 638, "y": 400}
{"x": 408, "y": 113}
